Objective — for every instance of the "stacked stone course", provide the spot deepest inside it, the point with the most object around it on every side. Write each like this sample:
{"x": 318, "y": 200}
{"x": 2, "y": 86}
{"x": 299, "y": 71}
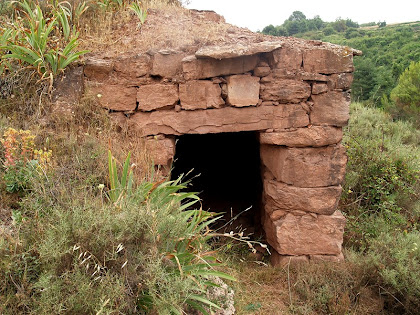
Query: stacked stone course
{"x": 295, "y": 94}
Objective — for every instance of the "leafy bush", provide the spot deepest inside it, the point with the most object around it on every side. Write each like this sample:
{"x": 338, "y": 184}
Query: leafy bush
{"x": 146, "y": 253}
{"x": 381, "y": 190}
{"x": 21, "y": 159}
{"x": 397, "y": 259}
{"x": 406, "y": 94}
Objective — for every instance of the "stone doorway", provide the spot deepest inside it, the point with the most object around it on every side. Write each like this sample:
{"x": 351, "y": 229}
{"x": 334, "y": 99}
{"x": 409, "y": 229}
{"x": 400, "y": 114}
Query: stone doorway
{"x": 225, "y": 169}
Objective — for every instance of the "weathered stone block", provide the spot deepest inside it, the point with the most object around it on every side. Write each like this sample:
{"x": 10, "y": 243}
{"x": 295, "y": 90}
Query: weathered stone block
{"x": 314, "y": 136}
{"x": 283, "y": 197}
{"x": 200, "y": 94}
{"x": 161, "y": 151}
{"x": 329, "y": 258}
{"x": 167, "y": 63}
{"x": 115, "y": 97}
{"x": 285, "y": 91}
{"x": 194, "y": 68}
{"x": 154, "y": 96}
{"x": 287, "y": 59}
{"x": 262, "y": 71}
{"x": 236, "y": 50}
{"x": 327, "y": 61}
{"x": 341, "y": 81}
{"x": 283, "y": 260}
{"x": 131, "y": 67}
{"x": 318, "y": 88}
{"x": 98, "y": 69}
{"x": 227, "y": 119}
{"x": 306, "y": 167}
{"x": 307, "y": 234}
{"x": 332, "y": 108}
{"x": 243, "y": 90}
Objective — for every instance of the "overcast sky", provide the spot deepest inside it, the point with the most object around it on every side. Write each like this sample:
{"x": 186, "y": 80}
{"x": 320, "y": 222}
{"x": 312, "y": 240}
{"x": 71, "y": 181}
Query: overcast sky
{"x": 256, "y": 14}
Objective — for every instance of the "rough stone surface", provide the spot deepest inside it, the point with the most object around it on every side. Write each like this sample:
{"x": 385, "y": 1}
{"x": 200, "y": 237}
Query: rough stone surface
{"x": 227, "y": 119}
{"x": 341, "y": 81}
{"x": 306, "y": 234}
{"x": 282, "y": 260}
{"x": 194, "y": 68}
{"x": 236, "y": 50}
{"x": 69, "y": 86}
{"x": 154, "y": 96}
{"x": 287, "y": 59}
{"x": 332, "y": 108}
{"x": 161, "y": 151}
{"x": 167, "y": 63}
{"x": 285, "y": 91}
{"x": 262, "y": 71}
{"x": 330, "y": 258}
{"x": 306, "y": 167}
{"x": 115, "y": 97}
{"x": 200, "y": 94}
{"x": 326, "y": 61}
{"x": 132, "y": 66}
{"x": 283, "y": 197}
{"x": 318, "y": 88}
{"x": 314, "y": 136}
{"x": 67, "y": 92}
{"x": 243, "y": 90}
{"x": 98, "y": 69}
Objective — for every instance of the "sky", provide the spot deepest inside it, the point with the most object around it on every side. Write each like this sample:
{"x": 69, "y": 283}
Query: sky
{"x": 256, "y": 14}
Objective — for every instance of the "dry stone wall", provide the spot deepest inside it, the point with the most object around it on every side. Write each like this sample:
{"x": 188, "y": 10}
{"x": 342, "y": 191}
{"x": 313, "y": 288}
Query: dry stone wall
{"x": 295, "y": 94}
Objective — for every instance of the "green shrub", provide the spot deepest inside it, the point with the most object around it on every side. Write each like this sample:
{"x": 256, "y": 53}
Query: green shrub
{"x": 406, "y": 95}
{"x": 144, "y": 253}
{"x": 381, "y": 190}
{"x": 397, "y": 259}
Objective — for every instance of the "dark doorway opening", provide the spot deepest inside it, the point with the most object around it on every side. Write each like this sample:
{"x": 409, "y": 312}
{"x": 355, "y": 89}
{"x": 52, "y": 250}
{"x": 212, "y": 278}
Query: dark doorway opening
{"x": 226, "y": 173}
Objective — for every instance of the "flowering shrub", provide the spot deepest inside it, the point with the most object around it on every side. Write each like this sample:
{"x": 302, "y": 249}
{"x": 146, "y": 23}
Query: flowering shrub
{"x": 21, "y": 159}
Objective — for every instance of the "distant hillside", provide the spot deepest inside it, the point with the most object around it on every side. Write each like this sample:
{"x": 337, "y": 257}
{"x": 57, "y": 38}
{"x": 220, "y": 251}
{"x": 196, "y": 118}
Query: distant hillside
{"x": 387, "y": 49}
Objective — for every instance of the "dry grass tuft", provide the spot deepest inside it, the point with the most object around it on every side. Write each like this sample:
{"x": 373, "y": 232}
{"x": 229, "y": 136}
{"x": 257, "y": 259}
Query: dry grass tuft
{"x": 167, "y": 26}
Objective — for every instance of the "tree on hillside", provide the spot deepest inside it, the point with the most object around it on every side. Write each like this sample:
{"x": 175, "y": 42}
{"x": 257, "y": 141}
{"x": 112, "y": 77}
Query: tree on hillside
{"x": 296, "y": 23}
{"x": 406, "y": 94}
{"x": 297, "y": 16}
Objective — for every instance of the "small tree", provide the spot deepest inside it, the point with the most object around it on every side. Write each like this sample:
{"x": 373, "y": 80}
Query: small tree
{"x": 406, "y": 95}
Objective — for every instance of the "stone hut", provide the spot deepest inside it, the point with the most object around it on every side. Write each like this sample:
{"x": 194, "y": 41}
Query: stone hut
{"x": 290, "y": 96}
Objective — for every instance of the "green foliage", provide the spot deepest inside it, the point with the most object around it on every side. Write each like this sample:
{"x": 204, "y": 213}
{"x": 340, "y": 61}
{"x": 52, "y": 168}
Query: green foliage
{"x": 31, "y": 41}
{"x": 387, "y": 50}
{"x": 141, "y": 13}
{"x": 397, "y": 259}
{"x": 120, "y": 187}
{"x": 144, "y": 253}
{"x": 381, "y": 190}
{"x": 406, "y": 94}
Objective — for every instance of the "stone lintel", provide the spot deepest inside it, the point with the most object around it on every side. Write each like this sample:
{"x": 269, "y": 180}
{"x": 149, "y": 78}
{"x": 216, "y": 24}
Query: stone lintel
{"x": 227, "y": 119}
{"x": 194, "y": 68}
{"x": 236, "y": 50}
